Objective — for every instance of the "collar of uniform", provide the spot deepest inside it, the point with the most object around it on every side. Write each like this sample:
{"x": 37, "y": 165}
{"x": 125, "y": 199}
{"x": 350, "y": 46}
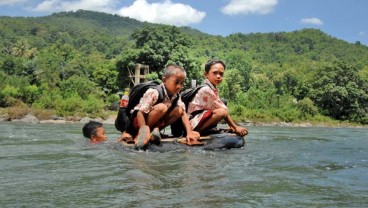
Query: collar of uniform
{"x": 166, "y": 95}
{"x": 206, "y": 81}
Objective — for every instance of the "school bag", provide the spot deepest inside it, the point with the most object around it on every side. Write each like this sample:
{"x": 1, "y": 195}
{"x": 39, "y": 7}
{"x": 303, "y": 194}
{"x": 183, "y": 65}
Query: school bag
{"x": 123, "y": 119}
{"x": 188, "y": 95}
{"x": 177, "y": 128}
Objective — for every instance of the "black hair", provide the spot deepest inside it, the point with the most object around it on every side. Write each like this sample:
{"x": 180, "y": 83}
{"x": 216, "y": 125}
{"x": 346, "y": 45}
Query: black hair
{"x": 172, "y": 69}
{"x": 212, "y": 62}
{"x": 90, "y": 128}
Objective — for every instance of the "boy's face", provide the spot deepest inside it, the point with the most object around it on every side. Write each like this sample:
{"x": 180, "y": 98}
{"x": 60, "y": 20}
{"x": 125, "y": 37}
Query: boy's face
{"x": 100, "y": 135}
{"x": 174, "y": 83}
{"x": 215, "y": 74}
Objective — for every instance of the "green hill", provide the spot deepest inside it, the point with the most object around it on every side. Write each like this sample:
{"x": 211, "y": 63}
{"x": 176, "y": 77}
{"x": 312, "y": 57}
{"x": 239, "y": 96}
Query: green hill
{"x": 74, "y": 63}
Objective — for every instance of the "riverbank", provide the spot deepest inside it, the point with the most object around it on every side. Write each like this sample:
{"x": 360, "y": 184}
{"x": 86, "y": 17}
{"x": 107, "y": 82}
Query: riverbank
{"x": 31, "y": 116}
{"x": 27, "y": 115}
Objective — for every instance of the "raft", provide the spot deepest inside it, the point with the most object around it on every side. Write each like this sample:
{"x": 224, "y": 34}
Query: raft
{"x": 216, "y": 141}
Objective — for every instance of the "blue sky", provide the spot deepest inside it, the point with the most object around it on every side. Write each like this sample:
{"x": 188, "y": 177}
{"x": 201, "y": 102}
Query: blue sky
{"x": 343, "y": 19}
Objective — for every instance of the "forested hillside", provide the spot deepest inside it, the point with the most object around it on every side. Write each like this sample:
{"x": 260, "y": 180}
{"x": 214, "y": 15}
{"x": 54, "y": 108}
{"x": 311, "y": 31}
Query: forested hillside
{"x": 75, "y": 63}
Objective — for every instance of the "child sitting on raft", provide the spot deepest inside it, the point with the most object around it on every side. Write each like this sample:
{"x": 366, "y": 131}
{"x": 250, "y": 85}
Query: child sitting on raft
{"x": 148, "y": 114}
{"x": 206, "y": 109}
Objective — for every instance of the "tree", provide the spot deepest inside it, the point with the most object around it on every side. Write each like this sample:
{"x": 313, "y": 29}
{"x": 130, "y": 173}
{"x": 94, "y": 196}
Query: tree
{"x": 106, "y": 76}
{"x": 157, "y": 45}
{"x": 80, "y": 86}
{"x": 22, "y": 49}
{"x": 239, "y": 60}
{"x": 231, "y": 85}
{"x": 337, "y": 90}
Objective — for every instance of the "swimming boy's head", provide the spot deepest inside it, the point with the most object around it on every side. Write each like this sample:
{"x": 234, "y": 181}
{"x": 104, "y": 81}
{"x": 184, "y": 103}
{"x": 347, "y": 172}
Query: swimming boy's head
{"x": 214, "y": 71}
{"x": 173, "y": 78}
{"x": 94, "y": 131}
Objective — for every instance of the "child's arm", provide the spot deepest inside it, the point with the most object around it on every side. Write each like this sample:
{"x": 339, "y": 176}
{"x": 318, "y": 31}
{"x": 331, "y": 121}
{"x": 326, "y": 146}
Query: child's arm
{"x": 146, "y": 105}
{"x": 147, "y": 101}
{"x": 237, "y": 129}
{"x": 191, "y": 135}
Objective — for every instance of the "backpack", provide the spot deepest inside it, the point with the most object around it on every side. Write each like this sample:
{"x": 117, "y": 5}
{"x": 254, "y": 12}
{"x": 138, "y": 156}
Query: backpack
{"x": 177, "y": 128}
{"x": 123, "y": 119}
{"x": 188, "y": 95}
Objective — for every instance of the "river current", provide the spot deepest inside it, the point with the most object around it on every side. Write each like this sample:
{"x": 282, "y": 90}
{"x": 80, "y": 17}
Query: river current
{"x": 52, "y": 165}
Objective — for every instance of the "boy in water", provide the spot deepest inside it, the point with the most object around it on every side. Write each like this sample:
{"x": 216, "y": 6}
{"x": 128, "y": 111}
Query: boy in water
{"x": 95, "y": 132}
{"x": 148, "y": 114}
{"x": 206, "y": 108}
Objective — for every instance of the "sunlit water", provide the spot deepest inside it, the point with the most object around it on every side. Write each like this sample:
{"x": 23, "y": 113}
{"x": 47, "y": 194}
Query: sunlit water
{"x": 48, "y": 165}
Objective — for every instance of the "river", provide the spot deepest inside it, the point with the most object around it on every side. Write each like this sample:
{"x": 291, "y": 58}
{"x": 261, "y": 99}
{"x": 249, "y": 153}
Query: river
{"x": 52, "y": 165}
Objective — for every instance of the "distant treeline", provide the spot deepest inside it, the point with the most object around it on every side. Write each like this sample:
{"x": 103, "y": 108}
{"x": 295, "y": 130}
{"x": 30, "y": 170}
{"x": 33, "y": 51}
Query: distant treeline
{"x": 75, "y": 63}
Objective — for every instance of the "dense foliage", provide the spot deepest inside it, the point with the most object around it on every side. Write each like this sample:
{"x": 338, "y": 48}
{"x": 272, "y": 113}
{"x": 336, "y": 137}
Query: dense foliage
{"x": 76, "y": 62}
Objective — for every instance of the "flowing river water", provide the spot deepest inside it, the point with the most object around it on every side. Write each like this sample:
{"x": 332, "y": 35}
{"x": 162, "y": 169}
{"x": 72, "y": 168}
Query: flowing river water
{"x": 51, "y": 165}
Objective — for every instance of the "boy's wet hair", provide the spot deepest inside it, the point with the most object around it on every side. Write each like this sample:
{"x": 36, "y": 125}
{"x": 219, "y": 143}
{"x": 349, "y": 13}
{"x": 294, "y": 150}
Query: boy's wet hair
{"x": 90, "y": 128}
{"x": 173, "y": 69}
{"x": 212, "y": 62}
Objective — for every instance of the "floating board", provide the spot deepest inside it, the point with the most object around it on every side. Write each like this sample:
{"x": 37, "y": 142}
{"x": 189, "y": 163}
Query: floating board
{"x": 211, "y": 142}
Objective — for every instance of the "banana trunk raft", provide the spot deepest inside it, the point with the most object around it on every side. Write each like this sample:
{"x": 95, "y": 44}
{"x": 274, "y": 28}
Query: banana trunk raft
{"x": 214, "y": 141}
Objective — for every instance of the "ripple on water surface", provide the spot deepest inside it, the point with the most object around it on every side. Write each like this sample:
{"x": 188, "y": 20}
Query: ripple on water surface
{"x": 52, "y": 165}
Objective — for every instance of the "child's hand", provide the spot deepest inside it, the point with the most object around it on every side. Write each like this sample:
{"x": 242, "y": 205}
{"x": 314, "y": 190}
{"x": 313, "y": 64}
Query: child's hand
{"x": 241, "y": 131}
{"x": 193, "y": 135}
{"x": 192, "y": 139}
{"x": 125, "y": 137}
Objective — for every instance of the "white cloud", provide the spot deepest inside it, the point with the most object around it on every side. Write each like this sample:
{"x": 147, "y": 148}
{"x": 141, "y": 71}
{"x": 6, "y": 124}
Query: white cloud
{"x": 249, "y": 7}
{"x": 362, "y": 33}
{"x": 10, "y": 2}
{"x": 60, "y": 5}
{"x": 166, "y": 12}
{"x": 313, "y": 21}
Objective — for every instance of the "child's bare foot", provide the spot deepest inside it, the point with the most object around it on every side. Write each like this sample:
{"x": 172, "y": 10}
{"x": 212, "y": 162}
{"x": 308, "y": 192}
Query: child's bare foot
{"x": 143, "y": 137}
{"x": 156, "y": 136}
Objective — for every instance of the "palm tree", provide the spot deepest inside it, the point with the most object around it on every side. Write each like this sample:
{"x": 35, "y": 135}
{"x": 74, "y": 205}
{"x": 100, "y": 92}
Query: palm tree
{"x": 22, "y": 49}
